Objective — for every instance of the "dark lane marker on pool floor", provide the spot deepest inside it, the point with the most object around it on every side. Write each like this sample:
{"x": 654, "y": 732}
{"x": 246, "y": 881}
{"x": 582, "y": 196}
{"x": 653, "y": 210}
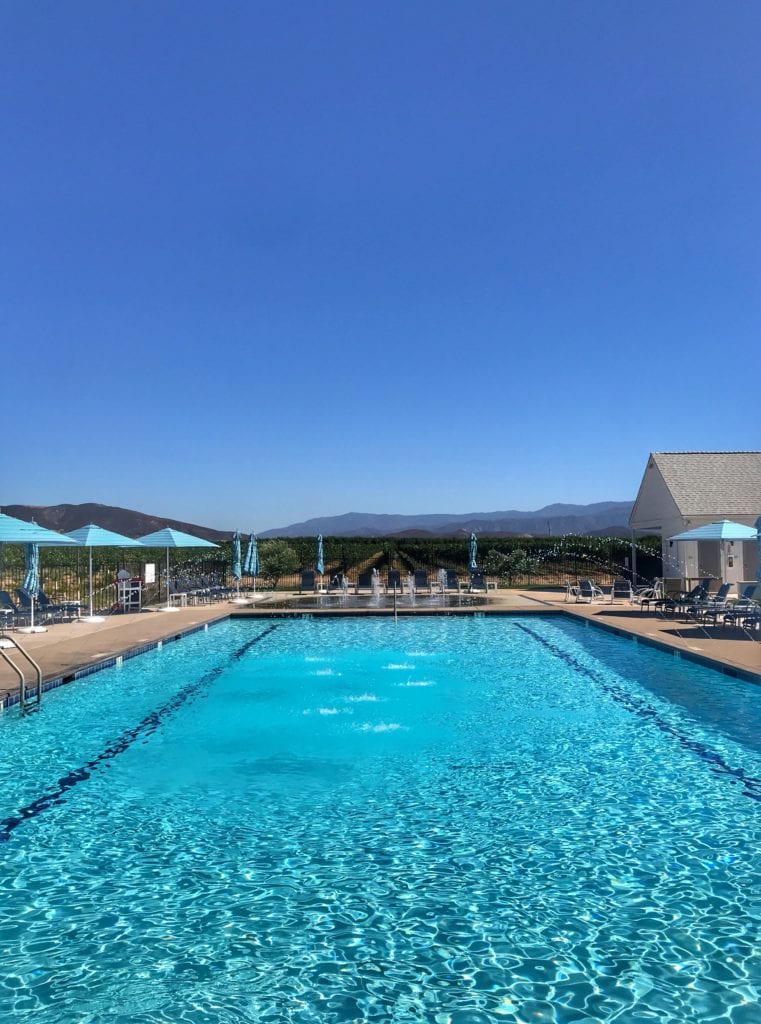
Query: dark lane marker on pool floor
{"x": 145, "y": 727}
{"x": 717, "y": 764}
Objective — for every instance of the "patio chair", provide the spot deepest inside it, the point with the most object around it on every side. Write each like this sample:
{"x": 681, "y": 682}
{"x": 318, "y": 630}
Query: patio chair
{"x": 589, "y": 591}
{"x": 308, "y": 582}
{"x": 648, "y": 595}
{"x": 422, "y": 582}
{"x": 621, "y": 591}
{"x": 394, "y": 581}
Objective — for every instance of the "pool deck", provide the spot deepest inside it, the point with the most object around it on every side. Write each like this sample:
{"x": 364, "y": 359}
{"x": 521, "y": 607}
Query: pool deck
{"x": 70, "y": 650}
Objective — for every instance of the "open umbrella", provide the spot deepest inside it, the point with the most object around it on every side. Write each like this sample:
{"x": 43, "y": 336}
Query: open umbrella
{"x": 18, "y": 531}
{"x": 169, "y": 538}
{"x": 472, "y": 549}
{"x": 92, "y": 536}
{"x": 319, "y": 562}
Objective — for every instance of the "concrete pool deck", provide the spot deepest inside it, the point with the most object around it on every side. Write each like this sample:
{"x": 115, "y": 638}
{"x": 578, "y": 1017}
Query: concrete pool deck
{"x": 70, "y": 650}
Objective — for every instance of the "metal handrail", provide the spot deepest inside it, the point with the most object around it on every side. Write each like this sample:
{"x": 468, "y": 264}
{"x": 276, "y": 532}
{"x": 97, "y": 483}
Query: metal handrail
{"x": 9, "y": 641}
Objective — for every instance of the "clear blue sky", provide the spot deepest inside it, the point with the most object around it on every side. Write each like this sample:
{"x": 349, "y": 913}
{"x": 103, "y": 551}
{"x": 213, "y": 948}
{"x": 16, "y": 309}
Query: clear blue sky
{"x": 263, "y": 261}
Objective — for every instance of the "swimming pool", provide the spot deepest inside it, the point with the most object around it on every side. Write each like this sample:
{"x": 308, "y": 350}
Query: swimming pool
{"x": 455, "y": 819}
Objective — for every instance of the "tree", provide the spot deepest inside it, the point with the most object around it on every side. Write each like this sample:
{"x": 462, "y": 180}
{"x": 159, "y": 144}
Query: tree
{"x": 509, "y": 565}
{"x": 276, "y": 559}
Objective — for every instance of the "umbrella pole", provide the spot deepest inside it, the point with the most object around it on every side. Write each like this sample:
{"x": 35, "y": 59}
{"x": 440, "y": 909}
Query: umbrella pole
{"x": 89, "y": 551}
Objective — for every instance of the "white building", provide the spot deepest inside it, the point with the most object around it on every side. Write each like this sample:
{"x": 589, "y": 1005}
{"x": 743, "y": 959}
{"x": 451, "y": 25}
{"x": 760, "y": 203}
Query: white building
{"x": 682, "y": 490}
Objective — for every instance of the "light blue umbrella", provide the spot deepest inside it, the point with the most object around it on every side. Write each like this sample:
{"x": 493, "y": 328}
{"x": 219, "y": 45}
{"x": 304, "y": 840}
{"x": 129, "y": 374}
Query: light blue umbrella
{"x": 319, "y": 563}
{"x": 758, "y": 533}
{"x": 237, "y": 570}
{"x": 31, "y": 584}
{"x": 18, "y": 531}
{"x": 169, "y": 538}
{"x": 472, "y": 549}
{"x": 723, "y": 530}
{"x": 92, "y": 536}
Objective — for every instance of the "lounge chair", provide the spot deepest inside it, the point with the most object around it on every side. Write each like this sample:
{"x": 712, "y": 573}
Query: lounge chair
{"x": 680, "y": 602}
{"x": 364, "y": 581}
{"x": 394, "y": 581}
{"x": 709, "y": 607}
{"x": 589, "y": 591}
{"x": 420, "y": 577}
{"x": 621, "y": 591}
{"x": 308, "y": 582}
{"x": 745, "y": 609}
{"x": 66, "y": 609}
{"x": 49, "y": 614}
{"x": 12, "y": 615}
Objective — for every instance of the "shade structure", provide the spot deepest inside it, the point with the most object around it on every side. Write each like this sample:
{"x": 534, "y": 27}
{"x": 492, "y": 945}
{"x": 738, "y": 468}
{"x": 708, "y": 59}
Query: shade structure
{"x": 319, "y": 560}
{"x": 723, "y": 530}
{"x": 472, "y": 550}
{"x": 18, "y": 531}
{"x": 92, "y": 536}
{"x": 169, "y": 538}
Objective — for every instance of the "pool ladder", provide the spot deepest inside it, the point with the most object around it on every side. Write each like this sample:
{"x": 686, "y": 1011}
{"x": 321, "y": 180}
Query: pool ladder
{"x": 26, "y": 704}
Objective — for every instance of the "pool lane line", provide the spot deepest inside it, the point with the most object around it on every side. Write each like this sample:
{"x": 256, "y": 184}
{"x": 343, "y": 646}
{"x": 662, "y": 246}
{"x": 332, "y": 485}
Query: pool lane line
{"x": 145, "y": 727}
{"x": 714, "y": 760}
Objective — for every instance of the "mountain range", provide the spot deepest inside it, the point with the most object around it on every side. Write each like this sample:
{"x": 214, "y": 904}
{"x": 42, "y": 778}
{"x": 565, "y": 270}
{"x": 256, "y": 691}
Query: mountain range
{"x": 604, "y": 518}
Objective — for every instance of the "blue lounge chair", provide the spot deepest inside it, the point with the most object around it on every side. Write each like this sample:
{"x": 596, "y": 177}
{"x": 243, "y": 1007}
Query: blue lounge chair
{"x": 364, "y": 581}
{"x": 394, "y": 581}
{"x": 421, "y": 580}
{"x": 308, "y": 582}
{"x": 477, "y": 583}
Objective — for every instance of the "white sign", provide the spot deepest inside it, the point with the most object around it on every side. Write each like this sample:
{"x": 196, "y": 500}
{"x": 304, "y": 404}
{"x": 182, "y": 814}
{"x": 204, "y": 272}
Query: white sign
{"x": 149, "y": 572}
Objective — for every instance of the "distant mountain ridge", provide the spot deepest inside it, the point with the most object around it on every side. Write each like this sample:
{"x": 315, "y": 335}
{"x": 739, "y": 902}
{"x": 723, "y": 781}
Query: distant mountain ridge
{"x": 557, "y": 519}
{"x": 604, "y": 518}
{"x": 121, "y": 520}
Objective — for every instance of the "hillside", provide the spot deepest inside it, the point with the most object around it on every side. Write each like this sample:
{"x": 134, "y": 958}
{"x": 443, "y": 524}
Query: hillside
{"x": 556, "y": 519}
{"x": 606, "y": 518}
{"x": 122, "y": 520}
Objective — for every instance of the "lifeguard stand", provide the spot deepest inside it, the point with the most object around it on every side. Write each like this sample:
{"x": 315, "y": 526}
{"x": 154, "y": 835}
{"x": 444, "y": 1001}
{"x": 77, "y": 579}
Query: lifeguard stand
{"x": 129, "y": 592}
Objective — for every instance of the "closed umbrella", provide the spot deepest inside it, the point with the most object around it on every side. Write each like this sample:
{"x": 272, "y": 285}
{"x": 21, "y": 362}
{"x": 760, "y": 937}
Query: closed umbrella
{"x": 169, "y": 538}
{"x": 251, "y": 562}
{"x": 31, "y": 584}
{"x": 319, "y": 563}
{"x": 236, "y": 568}
{"x": 18, "y": 531}
{"x": 92, "y": 536}
{"x": 472, "y": 550}
{"x": 758, "y": 537}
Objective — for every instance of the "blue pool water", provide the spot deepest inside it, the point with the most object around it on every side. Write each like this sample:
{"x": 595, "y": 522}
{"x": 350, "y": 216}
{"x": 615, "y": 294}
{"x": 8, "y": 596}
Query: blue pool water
{"x": 449, "y": 820}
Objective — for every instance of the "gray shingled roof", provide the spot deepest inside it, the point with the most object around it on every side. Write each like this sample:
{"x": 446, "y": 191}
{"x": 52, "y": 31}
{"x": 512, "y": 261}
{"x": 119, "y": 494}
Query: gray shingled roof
{"x": 721, "y": 484}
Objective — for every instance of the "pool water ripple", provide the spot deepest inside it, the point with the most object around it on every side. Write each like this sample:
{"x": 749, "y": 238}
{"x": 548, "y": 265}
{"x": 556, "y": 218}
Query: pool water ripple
{"x": 524, "y": 849}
